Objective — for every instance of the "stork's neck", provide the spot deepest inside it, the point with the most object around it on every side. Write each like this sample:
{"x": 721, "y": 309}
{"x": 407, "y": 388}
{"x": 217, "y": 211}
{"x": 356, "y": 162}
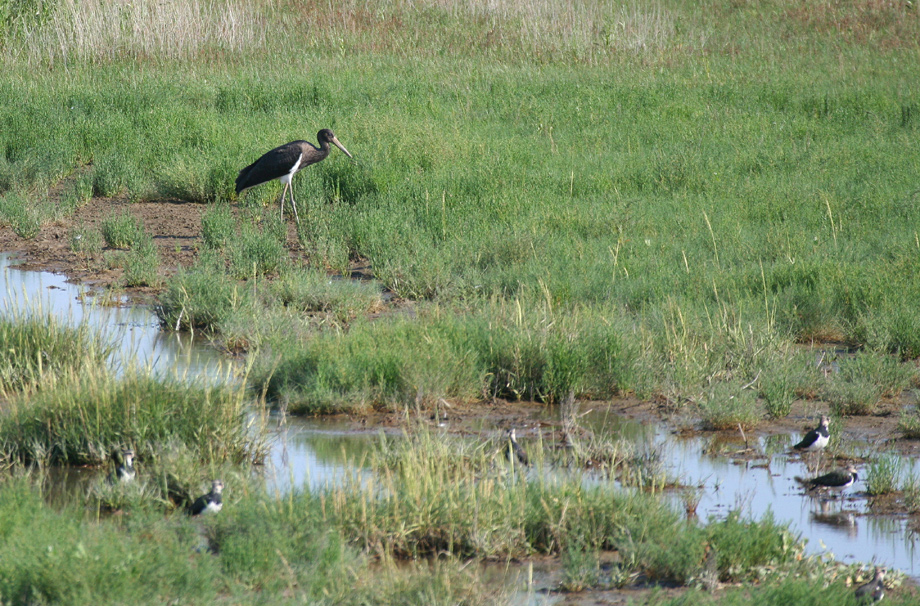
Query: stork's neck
{"x": 323, "y": 148}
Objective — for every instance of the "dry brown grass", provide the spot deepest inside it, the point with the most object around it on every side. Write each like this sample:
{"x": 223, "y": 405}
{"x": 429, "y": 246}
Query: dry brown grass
{"x": 103, "y": 30}
{"x": 579, "y": 28}
{"x": 886, "y": 23}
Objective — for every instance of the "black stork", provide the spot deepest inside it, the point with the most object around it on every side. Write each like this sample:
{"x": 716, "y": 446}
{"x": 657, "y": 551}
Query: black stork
{"x": 517, "y": 449}
{"x": 283, "y": 162}
{"x": 874, "y": 590}
{"x": 835, "y": 480}
{"x": 208, "y": 503}
{"x": 817, "y": 438}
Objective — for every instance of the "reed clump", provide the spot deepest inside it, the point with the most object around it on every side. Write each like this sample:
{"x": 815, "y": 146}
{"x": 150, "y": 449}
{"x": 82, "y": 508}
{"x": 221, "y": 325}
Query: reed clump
{"x": 38, "y": 347}
{"x": 433, "y": 495}
{"x": 86, "y": 416}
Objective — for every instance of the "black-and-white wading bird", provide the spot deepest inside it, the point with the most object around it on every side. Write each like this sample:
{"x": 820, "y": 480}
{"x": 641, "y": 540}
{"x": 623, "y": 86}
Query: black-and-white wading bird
{"x": 124, "y": 471}
{"x": 516, "y": 448}
{"x": 283, "y": 162}
{"x": 874, "y": 590}
{"x": 208, "y": 503}
{"x": 817, "y": 438}
{"x": 835, "y": 480}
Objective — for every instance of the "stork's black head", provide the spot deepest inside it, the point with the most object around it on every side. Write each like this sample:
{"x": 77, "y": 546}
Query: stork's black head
{"x": 326, "y": 136}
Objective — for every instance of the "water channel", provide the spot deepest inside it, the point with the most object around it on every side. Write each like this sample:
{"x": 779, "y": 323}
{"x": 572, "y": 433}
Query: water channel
{"x": 311, "y": 453}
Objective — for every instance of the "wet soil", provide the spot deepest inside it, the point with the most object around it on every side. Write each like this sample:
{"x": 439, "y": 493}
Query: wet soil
{"x": 174, "y": 224}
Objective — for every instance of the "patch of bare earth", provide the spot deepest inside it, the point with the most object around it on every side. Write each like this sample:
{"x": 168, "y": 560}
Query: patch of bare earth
{"x": 175, "y": 226}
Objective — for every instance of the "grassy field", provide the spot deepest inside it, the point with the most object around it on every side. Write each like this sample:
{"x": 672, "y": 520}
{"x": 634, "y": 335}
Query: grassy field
{"x": 711, "y": 187}
{"x": 667, "y": 199}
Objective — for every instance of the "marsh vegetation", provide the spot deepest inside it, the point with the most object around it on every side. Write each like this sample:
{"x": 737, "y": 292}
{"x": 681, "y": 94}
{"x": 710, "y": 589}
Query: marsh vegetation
{"x": 710, "y": 205}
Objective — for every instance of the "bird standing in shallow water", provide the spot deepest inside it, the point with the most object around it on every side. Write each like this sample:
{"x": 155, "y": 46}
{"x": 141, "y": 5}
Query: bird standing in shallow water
{"x": 517, "y": 448}
{"x": 874, "y": 590}
{"x": 284, "y": 161}
{"x": 817, "y": 438}
{"x": 835, "y": 480}
{"x": 209, "y": 503}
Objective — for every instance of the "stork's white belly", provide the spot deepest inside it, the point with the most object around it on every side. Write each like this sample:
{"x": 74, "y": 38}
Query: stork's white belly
{"x": 287, "y": 178}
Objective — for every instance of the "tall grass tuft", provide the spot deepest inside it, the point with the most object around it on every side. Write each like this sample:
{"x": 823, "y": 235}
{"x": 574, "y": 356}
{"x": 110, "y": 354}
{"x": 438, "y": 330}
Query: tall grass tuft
{"x": 24, "y": 216}
{"x": 200, "y": 297}
{"x": 85, "y": 241}
{"x": 121, "y": 230}
{"x": 39, "y": 348}
{"x": 306, "y": 290}
{"x": 883, "y": 475}
{"x": 142, "y": 263}
{"x": 218, "y": 228}
{"x": 727, "y": 405}
{"x": 86, "y": 416}
{"x": 258, "y": 546}
{"x": 260, "y": 250}
{"x": 501, "y": 352}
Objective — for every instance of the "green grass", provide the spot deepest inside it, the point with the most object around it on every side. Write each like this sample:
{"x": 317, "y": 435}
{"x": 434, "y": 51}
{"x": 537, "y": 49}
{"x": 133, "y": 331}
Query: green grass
{"x": 86, "y": 416}
{"x": 504, "y": 351}
{"x": 121, "y": 230}
{"x": 258, "y": 547}
{"x": 814, "y": 591}
{"x": 39, "y": 349}
{"x": 728, "y": 405}
{"x": 86, "y": 241}
{"x": 883, "y": 476}
{"x": 714, "y": 180}
{"x": 564, "y": 198}
{"x": 142, "y": 263}
{"x": 433, "y": 495}
{"x": 313, "y": 291}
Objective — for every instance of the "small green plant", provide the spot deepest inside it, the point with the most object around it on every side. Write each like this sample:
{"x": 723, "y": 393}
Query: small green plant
{"x": 121, "y": 230}
{"x": 727, "y": 405}
{"x": 911, "y": 492}
{"x": 84, "y": 418}
{"x": 258, "y": 251}
{"x": 86, "y": 241}
{"x": 778, "y": 385}
{"x": 883, "y": 475}
{"x": 24, "y": 216}
{"x": 580, "y": 568}
{"x": 77, "y": 193}
{"x": 309, "y": 290}
{"x": 40, "y": 349}
{"x": 218, "y": 227}
{"x": 200, "y": 297}
{"x": 909, "y": 424}
{"x": 851, "y": 397}
{"x": 114, "y": 173}
{"x": 142, "y": 263}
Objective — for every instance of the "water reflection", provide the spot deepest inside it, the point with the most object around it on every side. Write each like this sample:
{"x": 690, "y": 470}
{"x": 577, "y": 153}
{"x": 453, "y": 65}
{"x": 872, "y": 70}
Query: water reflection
{"x": 312, "y": 454}
{"x": 133, "y": 329}
{"x": 315, "y": 452}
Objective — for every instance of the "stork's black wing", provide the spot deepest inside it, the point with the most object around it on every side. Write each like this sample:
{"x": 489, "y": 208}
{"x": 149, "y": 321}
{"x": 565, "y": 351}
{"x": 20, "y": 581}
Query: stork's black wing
{"x": 272, "y": 165}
